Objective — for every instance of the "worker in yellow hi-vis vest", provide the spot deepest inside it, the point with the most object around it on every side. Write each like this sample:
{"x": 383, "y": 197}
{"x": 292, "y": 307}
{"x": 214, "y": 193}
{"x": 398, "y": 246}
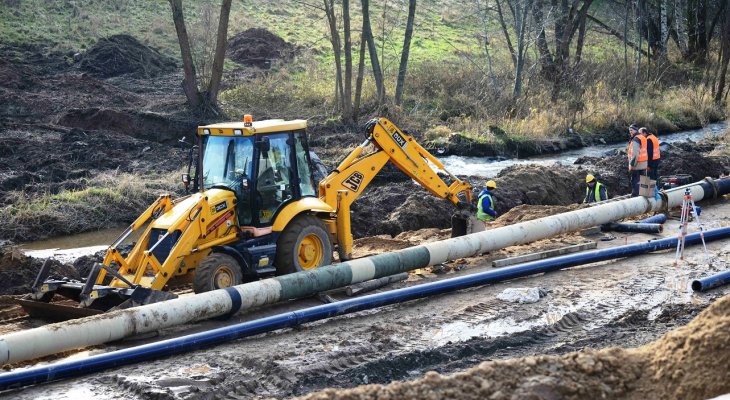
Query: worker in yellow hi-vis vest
{"x": 595, "y": 191}
{"x": 485, "y": 203}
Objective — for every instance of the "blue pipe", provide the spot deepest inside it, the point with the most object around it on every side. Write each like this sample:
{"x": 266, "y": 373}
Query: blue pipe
{"x": 656, "y": 219}
{"x": 711, "y": 282}
{"x": 96, "y": 363}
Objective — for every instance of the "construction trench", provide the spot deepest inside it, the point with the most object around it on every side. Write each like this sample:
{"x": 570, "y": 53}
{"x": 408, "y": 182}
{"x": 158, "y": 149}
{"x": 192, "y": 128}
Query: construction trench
{"x": 627, "y": 302}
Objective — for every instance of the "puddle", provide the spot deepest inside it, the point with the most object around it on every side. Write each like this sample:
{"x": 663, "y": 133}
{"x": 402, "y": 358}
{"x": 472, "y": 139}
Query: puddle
{"x": 68, "y": 248}
{"x": 460, "y": 331}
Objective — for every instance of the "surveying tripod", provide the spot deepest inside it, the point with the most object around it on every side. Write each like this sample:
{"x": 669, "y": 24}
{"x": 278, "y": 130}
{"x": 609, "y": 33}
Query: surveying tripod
{"x": 688, "y": 211}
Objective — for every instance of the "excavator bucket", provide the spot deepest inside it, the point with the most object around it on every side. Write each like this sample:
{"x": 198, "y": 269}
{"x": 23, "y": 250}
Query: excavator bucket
{"x": 464, "y": 224}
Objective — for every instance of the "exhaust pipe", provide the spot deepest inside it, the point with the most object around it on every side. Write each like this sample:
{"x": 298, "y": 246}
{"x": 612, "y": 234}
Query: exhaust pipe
{"x": 115, "y": 325}
{"x": 96, "y": 363}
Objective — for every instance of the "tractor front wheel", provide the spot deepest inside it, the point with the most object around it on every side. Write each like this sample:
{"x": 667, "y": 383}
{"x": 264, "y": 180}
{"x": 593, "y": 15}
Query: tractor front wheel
{"x": 217, "y": 271}
{"x": 304, "y": 245}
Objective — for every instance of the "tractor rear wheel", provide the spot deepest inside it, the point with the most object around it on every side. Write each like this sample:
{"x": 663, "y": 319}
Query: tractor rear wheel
{"x": 304, "y": 245}
{"x": 217, "y": 271}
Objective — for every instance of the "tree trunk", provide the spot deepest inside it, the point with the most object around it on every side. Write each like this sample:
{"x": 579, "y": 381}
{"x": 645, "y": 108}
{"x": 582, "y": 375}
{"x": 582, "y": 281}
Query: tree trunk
{"x": 358, "y": 83}
{"x": 680, "y": 25}
{"x": 347, "y": 100}
{"x": 329, "y": 8}
{"x": 547, "y": 63}
{"x": 725, "y": 50}
{"x": 190, "y": 86}
{"x": 507, "y": 37}
{"x": 663, "y": 29}
{"x": 406, "y": 51}
{"x": 520, "y": 18}
{"x": 220, "y": 53}
{"x": 367, "y": 32}
{"x": 580, "y": 41}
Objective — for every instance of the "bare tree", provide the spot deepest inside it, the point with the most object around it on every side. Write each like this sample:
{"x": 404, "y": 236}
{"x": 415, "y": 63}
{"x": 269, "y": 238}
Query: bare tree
{"x": 329, "y": 8}
{"x": 347, "y": 96}
{"x": 207, "y": 100}
{"x": 405, "y": 52}
{"x": 725, "y": 55}
{"x": 220, "y": 52}
{"x": 190, "y": 83}
{"x": 367, "y": 33}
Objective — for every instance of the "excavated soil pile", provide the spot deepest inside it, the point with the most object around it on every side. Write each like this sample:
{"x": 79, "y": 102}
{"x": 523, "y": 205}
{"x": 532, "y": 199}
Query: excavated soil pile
{"x": 393, "y": 208}
{"x": 681, "y": 158}
{"x": 258, "y": 47}
{"x": 688, "y": 363}
{"x": 17, "y": 271}
{"x": 524, "y": 212}
{"x": 123, "y": 54}
{"x": 535, "y": 184}
{"x": 52, "y": 162}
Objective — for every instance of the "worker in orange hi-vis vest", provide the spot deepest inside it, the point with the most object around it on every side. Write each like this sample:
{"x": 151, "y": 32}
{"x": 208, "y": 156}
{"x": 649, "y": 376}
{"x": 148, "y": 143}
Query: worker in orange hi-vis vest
{"x": 638, "y": 158}
{"x": 652, "y": 150}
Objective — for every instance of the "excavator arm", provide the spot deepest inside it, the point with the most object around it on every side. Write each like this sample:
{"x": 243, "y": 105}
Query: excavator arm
{"x": 386, "y": 143}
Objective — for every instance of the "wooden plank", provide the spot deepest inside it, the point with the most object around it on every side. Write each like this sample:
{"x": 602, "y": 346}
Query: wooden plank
{"x": 543, "y": 254}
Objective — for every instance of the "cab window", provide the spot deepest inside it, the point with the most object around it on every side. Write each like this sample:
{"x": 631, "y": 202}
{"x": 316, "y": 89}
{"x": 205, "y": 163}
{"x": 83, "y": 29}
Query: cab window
{"x": 273, "y": 185}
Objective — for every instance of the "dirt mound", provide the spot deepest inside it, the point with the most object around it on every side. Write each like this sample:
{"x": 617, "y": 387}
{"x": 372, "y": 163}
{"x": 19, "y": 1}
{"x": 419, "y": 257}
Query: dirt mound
{"x": 140, "y": 124}
{"x": 534, "y": 184}
{"x": 395, "y": 207}
{"x": 688, "y": 363}
{"x": 18, "y": 271}
{"x": 258, "y": 47}
{"x": 123, "y": 54}
{"x": 13, "y": 77}
{"x": 526, "y": 212}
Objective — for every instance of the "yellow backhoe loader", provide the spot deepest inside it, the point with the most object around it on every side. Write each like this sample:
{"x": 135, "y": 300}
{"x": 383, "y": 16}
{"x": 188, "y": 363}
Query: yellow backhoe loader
{"x": 253, "y": 210}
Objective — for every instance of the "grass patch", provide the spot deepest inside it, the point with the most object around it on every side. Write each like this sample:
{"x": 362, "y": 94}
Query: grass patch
{"x": 110, "y": 199}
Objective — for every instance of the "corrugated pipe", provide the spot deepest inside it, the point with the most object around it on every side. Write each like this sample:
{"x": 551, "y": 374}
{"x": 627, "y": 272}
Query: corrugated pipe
{"x": 96, "y": 363}
{"x": 115, "y": 325}
{"x": 632, "y": 227}
{"x": 656, "y": 219}
{"x": 711, "y": 282}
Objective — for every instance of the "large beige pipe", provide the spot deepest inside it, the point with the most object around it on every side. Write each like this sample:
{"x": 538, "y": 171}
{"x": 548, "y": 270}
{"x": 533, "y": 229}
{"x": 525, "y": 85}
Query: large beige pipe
{"x": 55, "y": 338}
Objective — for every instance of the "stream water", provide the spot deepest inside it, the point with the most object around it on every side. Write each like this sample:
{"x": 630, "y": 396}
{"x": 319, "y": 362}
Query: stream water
{"x": 68, "y": 248}
{"x": 489, "y": 167}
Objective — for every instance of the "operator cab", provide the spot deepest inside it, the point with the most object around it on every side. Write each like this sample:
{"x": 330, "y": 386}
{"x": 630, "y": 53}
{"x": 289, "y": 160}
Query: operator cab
{"x": 265, "y": 163}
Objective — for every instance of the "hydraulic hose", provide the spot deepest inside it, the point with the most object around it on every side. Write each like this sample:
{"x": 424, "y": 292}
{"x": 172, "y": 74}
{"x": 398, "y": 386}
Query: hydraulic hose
{"x": 96, "y": 363}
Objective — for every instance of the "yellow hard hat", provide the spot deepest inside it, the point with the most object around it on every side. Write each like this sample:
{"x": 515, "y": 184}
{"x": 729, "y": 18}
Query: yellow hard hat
{"x": 590, "y": 178}
{"x": 491, "y": 184}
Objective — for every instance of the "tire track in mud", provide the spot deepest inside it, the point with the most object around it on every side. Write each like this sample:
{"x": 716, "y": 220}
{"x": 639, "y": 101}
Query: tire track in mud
{"x": 589, "y": 322}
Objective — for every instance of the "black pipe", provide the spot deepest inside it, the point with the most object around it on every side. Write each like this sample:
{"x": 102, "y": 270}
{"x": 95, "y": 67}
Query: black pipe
{"x": 632, "y": 227}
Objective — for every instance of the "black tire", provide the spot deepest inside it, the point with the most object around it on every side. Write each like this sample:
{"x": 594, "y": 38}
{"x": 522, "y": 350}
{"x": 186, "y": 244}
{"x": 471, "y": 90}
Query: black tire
{"x": 290, "y": 247}
{"x": 217, "y": 271}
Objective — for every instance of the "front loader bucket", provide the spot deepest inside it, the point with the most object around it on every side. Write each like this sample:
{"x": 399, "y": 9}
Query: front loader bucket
{"x": 59, "y": 311}
{"x": 81, "y": 299}
{"x": 463, "y": 224}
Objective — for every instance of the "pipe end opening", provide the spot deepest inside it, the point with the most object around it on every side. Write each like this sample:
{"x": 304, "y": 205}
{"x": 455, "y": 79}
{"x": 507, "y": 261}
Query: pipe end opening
{"x": 697, "y": 286}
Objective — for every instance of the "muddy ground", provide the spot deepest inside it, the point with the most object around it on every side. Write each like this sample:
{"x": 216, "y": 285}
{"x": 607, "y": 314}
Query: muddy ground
{"x": 626, "y": 303}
